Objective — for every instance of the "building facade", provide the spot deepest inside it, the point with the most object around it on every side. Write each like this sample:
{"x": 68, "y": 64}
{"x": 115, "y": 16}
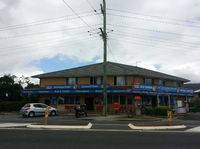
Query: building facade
{"x": 128, "y": 87}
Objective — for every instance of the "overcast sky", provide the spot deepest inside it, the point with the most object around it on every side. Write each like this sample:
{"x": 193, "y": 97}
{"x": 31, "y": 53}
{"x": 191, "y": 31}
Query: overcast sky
{"x": 38, "y": 36}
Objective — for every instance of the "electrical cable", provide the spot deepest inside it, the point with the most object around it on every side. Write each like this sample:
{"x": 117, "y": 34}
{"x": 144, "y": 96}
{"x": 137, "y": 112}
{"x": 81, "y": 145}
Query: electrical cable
{"x": 153, "y": 30}
{"x": 66, "y": 4}
{"x": 46, "y": 32}
{"x": 159, "y": 17}
{"x": 147, "y": 19}
{"x": 40, "y": 22}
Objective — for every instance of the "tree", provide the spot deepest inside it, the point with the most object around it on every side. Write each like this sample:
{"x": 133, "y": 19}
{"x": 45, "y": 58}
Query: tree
{"x": 9, "y": 90}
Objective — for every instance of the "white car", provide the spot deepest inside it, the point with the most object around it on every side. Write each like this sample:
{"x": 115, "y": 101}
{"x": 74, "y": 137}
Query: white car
{"x": 36, "y": 109}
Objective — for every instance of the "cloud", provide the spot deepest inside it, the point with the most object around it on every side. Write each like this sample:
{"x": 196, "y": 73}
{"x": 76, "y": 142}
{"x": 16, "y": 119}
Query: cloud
{"x": 169, "y": 43}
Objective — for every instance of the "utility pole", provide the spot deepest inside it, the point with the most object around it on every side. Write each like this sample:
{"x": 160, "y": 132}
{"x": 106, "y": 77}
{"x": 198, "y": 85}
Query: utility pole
{"x": 104, "y": 36}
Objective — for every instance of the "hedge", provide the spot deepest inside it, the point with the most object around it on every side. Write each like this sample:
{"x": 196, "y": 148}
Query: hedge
{"x": 157, "y": 111}
{"x": 11, "y": 106}
{"x": 195, "y": 109}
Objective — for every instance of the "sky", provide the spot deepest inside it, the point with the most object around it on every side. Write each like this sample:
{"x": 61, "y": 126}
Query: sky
{"x": 38, "y": 36}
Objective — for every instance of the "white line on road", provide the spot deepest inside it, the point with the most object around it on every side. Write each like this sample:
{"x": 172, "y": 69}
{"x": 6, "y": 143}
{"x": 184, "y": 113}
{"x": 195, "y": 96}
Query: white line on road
{"x": 3, "y": 125}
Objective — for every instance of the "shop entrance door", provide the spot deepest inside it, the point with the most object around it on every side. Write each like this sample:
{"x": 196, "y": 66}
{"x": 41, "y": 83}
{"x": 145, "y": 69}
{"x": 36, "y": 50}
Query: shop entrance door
{"x": 89, "y": 101}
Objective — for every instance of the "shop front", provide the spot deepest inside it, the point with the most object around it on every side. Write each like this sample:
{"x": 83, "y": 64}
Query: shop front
{"x": 65, "y": 97}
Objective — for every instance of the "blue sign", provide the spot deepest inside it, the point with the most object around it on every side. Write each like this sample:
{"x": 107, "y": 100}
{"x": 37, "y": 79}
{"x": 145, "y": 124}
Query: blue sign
{"x": 64, "y": 91}
{"x": 78, "y": 86}
{"x": 159, "y": 88}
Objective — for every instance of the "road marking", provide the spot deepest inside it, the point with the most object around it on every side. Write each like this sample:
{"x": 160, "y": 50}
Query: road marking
{"x": 3, "y": 125}
{"x": 195, "y": 129}
{"x": 110, "y": 124}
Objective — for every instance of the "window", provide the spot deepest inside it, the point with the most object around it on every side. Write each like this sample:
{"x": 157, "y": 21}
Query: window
{"x": 72, "y": 81}
{"x": 148, "y": 81}
{"x": 116, "y": 98}
{"x": 109, "y": 99}
{"x": 160, "y": 82}
{"x": 122, "y": 99}
{"x": 130, "y": 101}
{"x": 174, "y": 84}
{"x": 120, "y": 80}
{"x": 72, "y": 100}
{"x": 96, "y": 80}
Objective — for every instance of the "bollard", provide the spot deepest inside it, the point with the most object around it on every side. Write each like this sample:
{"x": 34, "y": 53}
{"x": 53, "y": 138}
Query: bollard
{"x": 46, "y": 115}
{"x": 169, "y": 117}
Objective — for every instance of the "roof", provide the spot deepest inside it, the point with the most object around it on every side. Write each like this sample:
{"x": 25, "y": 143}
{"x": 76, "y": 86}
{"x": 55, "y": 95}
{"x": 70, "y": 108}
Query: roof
{"x": 112, "y": 69}
{"x": 194, "y": 86}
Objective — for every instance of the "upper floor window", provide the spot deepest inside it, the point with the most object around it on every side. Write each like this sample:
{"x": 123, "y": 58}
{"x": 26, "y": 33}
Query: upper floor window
{"x": 148, "y": 81}
{"x": 174, "y": 84}
{"x": 120, "y": 80}
{"x": 96, "y": 80}
{"x": 160, "y": 82}
{"x": 71, "y": 80}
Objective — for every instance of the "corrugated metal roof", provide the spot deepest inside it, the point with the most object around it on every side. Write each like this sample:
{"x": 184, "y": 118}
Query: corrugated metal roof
{"x": 113, "y": 69}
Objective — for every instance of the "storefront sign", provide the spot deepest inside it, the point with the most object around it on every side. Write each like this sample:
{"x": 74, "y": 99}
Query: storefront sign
{"x": 78, "y": 86}
{"x": 159, "y": 88}
{"x": 116, "y": 105}
{"x": 97, "y": 91}
{"x": 137, "y": 97}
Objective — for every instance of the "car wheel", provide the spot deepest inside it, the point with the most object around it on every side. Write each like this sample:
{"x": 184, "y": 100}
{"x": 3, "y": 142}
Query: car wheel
{"x": 53, "y": 113}
{"x": 31, "y": 114}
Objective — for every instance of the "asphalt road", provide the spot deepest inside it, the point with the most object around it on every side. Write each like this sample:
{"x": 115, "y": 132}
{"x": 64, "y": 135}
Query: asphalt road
{"x": 190, "y": 121}
{"x": 52, "y": 139}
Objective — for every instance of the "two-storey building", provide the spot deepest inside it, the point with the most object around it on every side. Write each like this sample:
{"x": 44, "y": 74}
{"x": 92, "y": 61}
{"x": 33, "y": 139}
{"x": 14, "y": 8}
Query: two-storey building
{"x": 129, "y": 86}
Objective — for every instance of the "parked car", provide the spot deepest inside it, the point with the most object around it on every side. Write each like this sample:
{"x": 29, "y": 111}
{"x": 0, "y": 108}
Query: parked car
{"x": 36, "y": 109}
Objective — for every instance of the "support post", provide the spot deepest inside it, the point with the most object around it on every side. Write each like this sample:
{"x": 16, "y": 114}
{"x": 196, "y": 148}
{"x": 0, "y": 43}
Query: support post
{"x": 104, "y": 36}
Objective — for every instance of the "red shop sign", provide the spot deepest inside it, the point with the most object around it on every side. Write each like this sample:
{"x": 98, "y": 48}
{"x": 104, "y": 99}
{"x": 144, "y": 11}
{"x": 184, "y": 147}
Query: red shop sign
{"x": 137, "y": 97}
{"x": 116, "y": 105}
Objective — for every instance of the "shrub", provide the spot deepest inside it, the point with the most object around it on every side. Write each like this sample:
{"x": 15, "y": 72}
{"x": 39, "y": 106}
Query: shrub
{"x": 195, "y": 109}
{"x": 157, "y": 111}
{"x": 10, "y": 106}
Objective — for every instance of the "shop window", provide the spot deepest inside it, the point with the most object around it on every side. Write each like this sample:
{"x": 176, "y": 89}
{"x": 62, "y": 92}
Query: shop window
{"x": 120, "y": 80}
{"x": 122, "y": 99}
{"x": 148, "y": 81}
{"x": 174, "y": 84}
{"x": 96, "y": 80}
{"x": 130, "y": 101}
{"x": 67, "y": 100}
{"x": 71, "y": 81}
{"x": 116, "y": 98}
{"x": 60, "y": 100}
{"x": 110, "y": 99}
{"x": 77, "y": 100}
{"x": 160, "y": 82}
{"x": 72, "y": 100}
{"x": 53, "y": 100}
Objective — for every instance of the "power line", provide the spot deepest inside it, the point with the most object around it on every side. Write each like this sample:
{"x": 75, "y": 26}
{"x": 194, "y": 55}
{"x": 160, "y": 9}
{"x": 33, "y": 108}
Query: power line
{"x": 154, "y": 16}
{"x": 110, "y": 49}
{"x": 42, "y": 41}
{"x": 142, "y": 35}
{"x": 142, "y": 38}
{"x": 77, "y": 14}
{"x": 91, "y": 6}
{"x": 147, "y": 19}
{"x": 153, "y": 30}
{"x": 149, "y": 45}
{"x": 47, "y": 32}
{"x": 46, "y": 45}
{"x": 41, "y": 22}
